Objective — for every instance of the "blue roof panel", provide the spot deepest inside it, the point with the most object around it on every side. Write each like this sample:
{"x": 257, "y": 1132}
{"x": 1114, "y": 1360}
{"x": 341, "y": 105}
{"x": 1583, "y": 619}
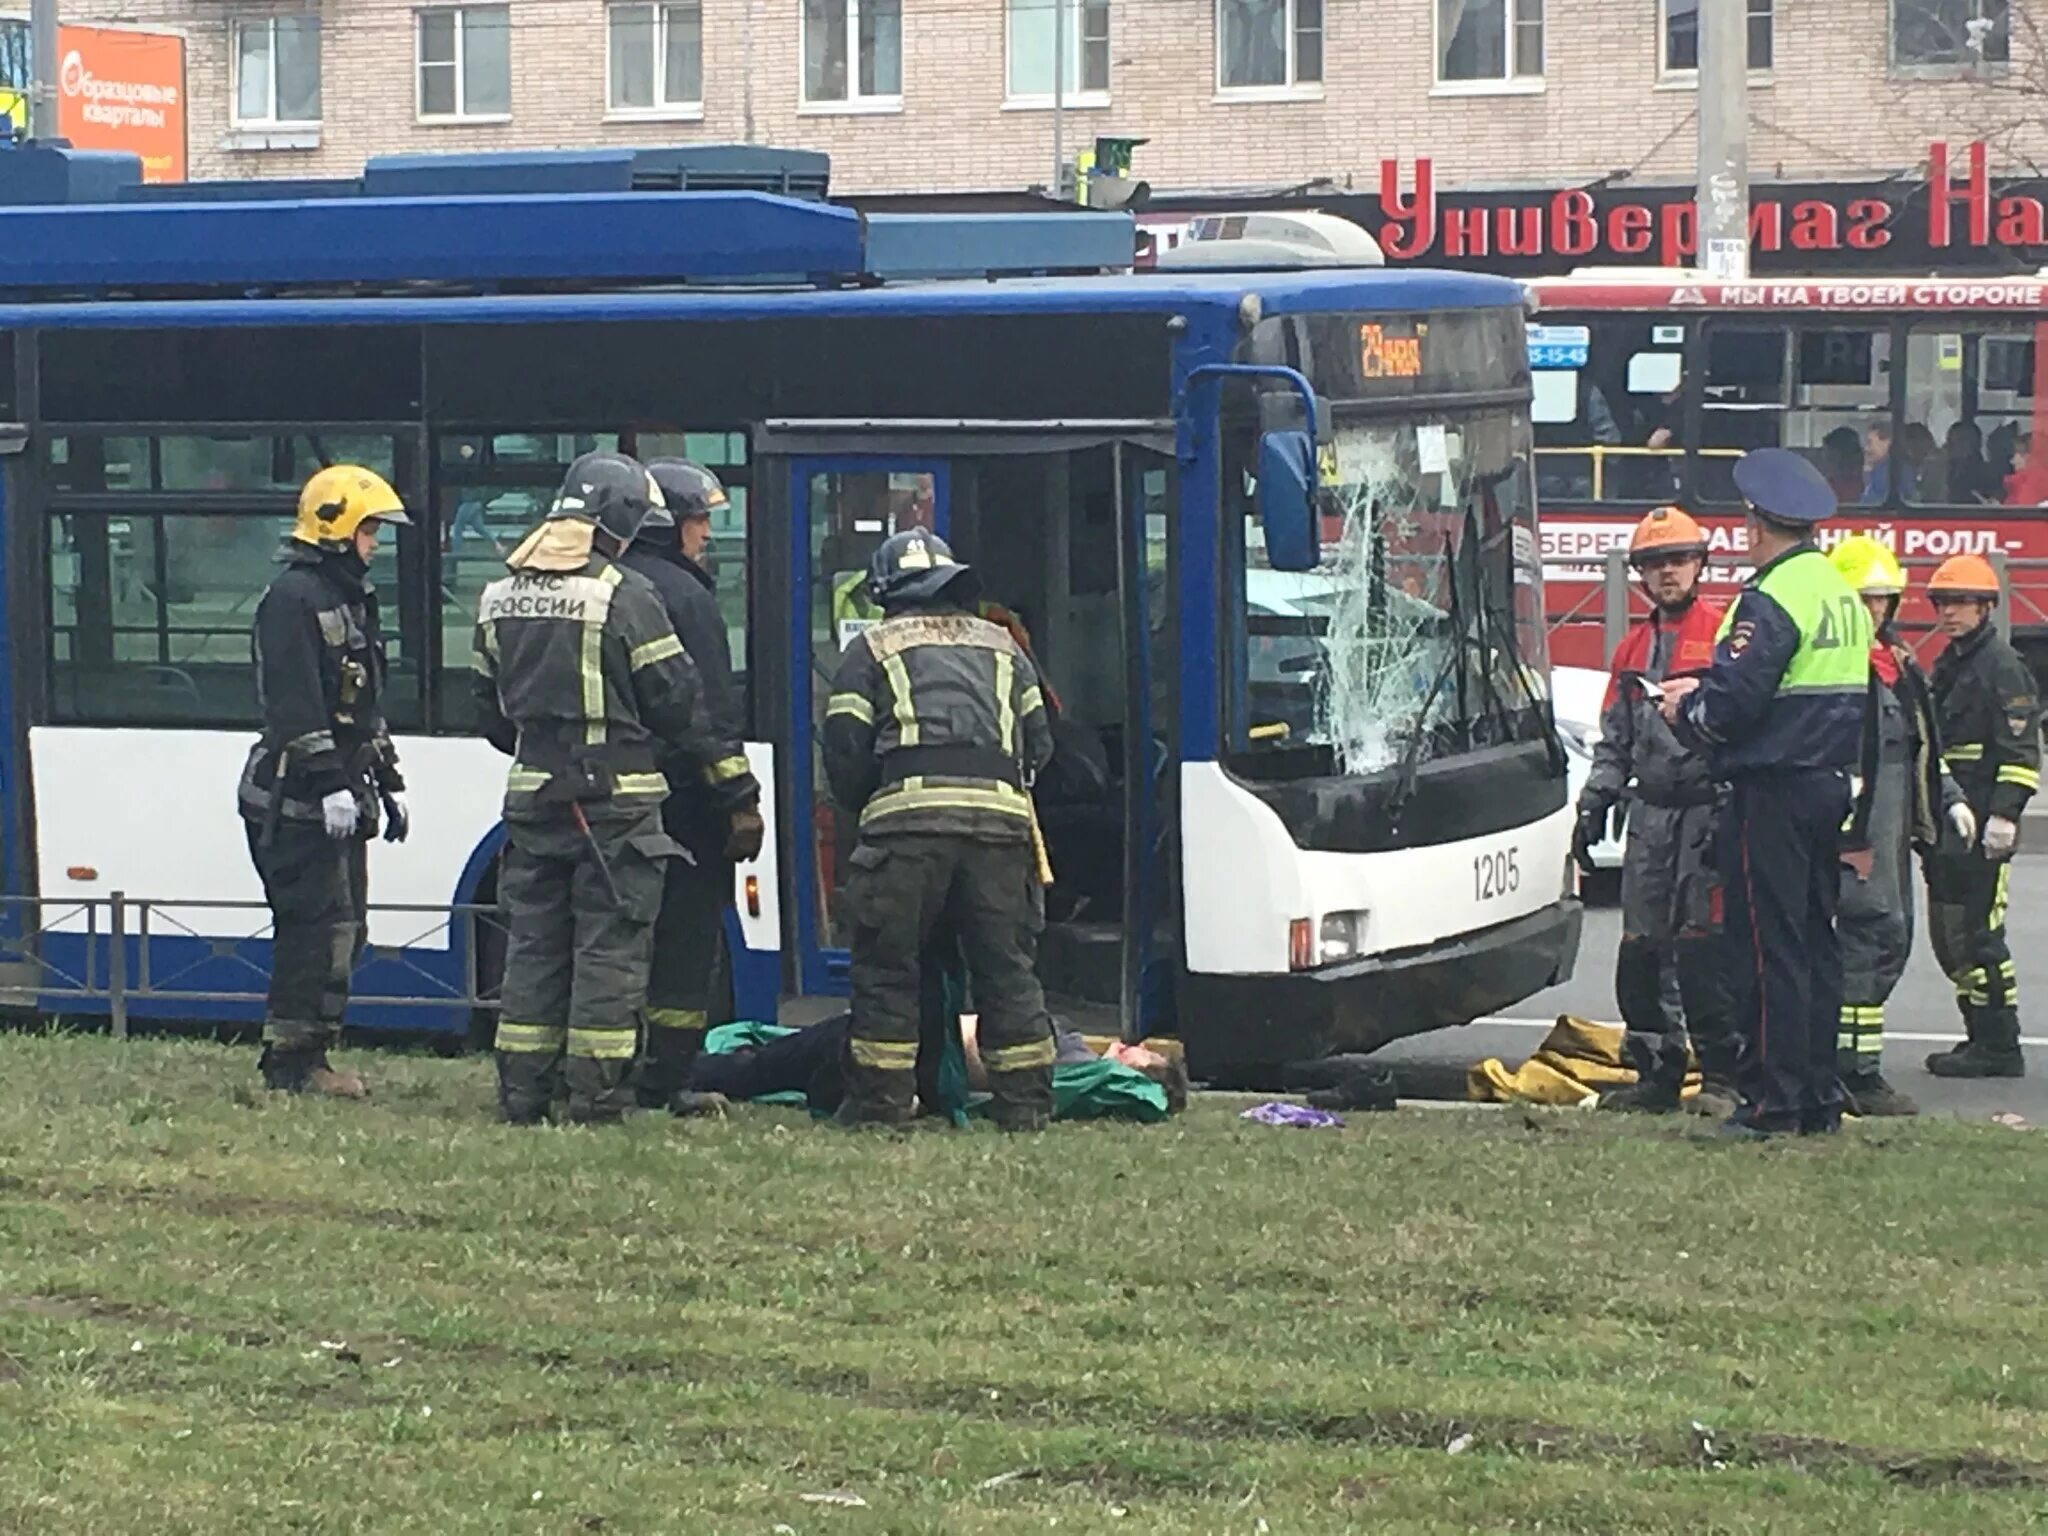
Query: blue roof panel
{"x": 1365, "y": 289}
{"x": 588, "y": 238}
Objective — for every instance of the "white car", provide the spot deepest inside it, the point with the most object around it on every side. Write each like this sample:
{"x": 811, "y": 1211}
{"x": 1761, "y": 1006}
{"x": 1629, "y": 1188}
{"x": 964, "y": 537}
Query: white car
{"x": 1577, "y": 692}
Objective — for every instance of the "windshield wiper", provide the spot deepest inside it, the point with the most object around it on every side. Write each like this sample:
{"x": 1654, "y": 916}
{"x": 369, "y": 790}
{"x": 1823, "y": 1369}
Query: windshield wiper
{"x": 1454, "y": 665}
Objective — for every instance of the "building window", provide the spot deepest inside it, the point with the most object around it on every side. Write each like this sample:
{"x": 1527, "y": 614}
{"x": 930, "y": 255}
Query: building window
{"x": 277, "y": 71}
{"x": 1264, "y": 45}
{"x": 657, "y": 57}
{"x": 465, "y": 61}
{"x": 1489, "y": 41}
{"x": 1950, "y": 34}
{"x": 853, "y": 52}
{"x": 1031, "y": 43}
{"x": 1682, "y": 36}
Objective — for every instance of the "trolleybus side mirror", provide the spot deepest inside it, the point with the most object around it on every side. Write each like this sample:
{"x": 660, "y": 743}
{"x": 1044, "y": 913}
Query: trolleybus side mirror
{"x": 1287, "y": 500}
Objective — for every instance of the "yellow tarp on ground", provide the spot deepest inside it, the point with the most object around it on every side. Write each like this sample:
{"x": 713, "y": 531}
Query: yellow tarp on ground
{"x": 1577, "y": 1062}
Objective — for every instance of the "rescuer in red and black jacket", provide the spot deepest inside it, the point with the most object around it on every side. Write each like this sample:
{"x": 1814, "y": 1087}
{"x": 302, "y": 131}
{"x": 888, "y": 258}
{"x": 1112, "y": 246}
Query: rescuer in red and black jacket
{"x": 1670, "y": 892}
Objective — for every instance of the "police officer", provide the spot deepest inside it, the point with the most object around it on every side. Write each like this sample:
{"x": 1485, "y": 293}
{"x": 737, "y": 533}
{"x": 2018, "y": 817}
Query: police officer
{"x": 1669, "y": 888}
{"x": 314, "y": 783}
{"x": 581, "y": 678}
{"x": 935, "y": 727}
{"x": 714, "y": 832}
{"x": 1781, "y": 712}
{"x": 1990, "y": 733}
{"x": 1903, "y": 801}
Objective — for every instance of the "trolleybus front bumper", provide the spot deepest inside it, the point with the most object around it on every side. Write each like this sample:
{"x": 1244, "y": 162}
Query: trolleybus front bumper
{"x": 1238, "y": 1028}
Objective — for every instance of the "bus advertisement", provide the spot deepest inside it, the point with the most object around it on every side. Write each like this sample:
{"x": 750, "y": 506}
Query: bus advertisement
{"x": 1312, "y": 798}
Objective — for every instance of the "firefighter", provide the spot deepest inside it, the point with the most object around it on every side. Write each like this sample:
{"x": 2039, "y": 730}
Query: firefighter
{"x": 324, "y": 768}
{"x": 1985, "y": 698}
{"x": 1669, "y": 890}
{"x": 935, "y": 727}
{"x": 1781, "y": 712}
{"x": 713, "y": 831}
{"x": 1903, "y": 800}
{"x": 582, "y": 681}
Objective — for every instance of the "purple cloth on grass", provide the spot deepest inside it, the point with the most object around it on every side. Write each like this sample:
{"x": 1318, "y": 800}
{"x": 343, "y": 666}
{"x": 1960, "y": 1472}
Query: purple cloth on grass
{"x": 1295, "y": 1115}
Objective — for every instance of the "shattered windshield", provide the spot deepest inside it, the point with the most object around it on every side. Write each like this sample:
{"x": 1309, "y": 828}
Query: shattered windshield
{"x": 1419, "y": 635}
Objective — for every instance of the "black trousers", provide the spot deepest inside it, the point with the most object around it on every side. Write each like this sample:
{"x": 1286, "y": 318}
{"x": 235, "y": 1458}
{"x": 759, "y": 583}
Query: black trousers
{"x": 902, "y": 891}
{"x": 1780, "y": 855}
{"x": 318, "y": 891}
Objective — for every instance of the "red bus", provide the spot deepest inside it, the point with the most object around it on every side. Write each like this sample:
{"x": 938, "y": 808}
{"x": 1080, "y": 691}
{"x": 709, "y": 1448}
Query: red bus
{"x": 1921, "y": 399}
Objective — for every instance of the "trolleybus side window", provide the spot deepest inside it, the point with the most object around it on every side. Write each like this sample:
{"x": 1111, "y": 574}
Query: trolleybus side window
{"x": 725, "y": 455}
{"x": 1819, "y": 389}
{"x": 1606, "y": 407}
{"x": 159, "y": 550}
{"x": 1968, "y": 433}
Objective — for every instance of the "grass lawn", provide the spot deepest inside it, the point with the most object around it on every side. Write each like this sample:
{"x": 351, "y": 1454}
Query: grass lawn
{"x": 225, "y": 1313}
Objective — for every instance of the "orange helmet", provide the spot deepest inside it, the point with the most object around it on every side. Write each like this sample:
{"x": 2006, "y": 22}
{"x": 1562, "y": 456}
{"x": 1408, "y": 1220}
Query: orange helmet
{"x": 1964, "y": 576}
{"x": 1666, "y": 531}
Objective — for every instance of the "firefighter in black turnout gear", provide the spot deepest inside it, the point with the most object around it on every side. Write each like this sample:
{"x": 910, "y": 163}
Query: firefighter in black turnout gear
{"x": 1991, "y": 741}
{"x": 324, "y": 768}
{"x": 713, "y": 831}
{"x": 935, "y": 728}
{"x": 582, "y": 680}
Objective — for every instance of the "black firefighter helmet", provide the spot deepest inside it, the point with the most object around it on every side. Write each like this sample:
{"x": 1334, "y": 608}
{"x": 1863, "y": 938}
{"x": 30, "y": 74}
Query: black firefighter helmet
{"x": 688, "y": 489}
{"x": 610, "y": 490}
{"x": 916, "y": 566}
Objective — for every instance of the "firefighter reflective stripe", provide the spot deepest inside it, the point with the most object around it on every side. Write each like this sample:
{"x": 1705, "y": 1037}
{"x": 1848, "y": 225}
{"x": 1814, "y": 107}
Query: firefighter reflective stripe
{"x": 1861, "y": 1029}
{"x": 524, "y": 780}
{"x": 593, "y": 663}
{"x": 884, "y": 1055}
{"x": 604, "y": 1044}
{"x": 850, "y": 704}
{"x": 905, "y": 706}
{"x": 1033, "y": 700}
{"x": 675, "y": 1018}
{"x": 531, "y": 1038}
{"x": 639, "y": 784}
{"x": 311, "y": 742}
{"x": 1029, "y": 1057}
{"x": 1006, "y": 709}
{"x": 915, "y": 794}
{"x": 1997, "y": 918}
{"x": 2020, "y": 774}
{"x": 726, "y": 769}
{"x": 656, "y": 650}
{"x": 483, "y": 657}
{"x": 1963, "y": 752}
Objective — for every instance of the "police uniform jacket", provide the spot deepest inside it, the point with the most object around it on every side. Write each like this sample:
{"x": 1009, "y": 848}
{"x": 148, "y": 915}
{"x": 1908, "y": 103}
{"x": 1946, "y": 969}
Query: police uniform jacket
{"x": 937, "y": 724}
{"x": 319, "y": 663}
{"x": 1985, "y": 698}
{"x": 1635, "y": 745}
{"x": 579, "y": 672}
{"x": 696, "y": 820}
{"x": 1792, "y": 661}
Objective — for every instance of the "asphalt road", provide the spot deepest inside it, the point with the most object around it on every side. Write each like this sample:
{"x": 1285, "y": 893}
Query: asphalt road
{"x": 1921, "y": 1016}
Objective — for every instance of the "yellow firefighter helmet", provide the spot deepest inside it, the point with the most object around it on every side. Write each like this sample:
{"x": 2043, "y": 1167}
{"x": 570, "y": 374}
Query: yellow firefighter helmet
{"x": 339, "y": 500}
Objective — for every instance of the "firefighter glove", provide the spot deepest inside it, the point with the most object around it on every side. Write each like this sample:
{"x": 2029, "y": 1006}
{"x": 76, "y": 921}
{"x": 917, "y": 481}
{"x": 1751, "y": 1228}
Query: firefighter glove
{"x": 1592, "y": 828}
{"x": 397, "y": 819}
{"x": 340, "y": 812}
{"x": 1964, "y": 820}
{"x": 744, "y": 835}
{"x": 2001, "y": 836}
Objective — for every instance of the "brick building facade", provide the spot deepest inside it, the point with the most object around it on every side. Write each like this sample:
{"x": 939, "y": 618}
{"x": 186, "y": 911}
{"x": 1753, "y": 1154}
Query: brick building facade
{"x": 953, "y": 95}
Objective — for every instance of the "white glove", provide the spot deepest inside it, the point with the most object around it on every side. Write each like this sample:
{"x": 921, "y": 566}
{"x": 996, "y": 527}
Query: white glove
{"x": 340, "y": 812}
{"x": 1964, "y": 820}
{"x": 2000, "y": 838}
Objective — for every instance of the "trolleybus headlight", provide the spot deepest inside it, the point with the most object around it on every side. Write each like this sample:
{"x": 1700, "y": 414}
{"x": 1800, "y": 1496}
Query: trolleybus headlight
{"x": 1343, "y": 937}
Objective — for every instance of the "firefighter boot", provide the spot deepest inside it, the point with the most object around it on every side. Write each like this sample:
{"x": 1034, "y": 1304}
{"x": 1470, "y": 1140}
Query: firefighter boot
{"x": 598, "y": 1091}
{"x": 1993, "y": 1049}
{"x": 664, "y": 1068}
{"x": 685, "y": 1104}
{"x": 526, "y": 1086}
{"x": 1871, "y": 1097}
{"x": 1643, "y": 1098}
{"x": 308, "y": 1071}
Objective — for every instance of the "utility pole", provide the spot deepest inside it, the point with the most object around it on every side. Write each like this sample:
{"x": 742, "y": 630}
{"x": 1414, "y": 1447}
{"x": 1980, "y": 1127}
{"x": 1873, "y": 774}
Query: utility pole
{"x": 1724, "y": 139}
{"x": 42, "y": 69}
{"x": 1059, "y": 98}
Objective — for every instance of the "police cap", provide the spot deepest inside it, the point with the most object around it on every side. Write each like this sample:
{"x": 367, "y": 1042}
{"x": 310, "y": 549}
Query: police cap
{"x": 1784, "y": 487}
